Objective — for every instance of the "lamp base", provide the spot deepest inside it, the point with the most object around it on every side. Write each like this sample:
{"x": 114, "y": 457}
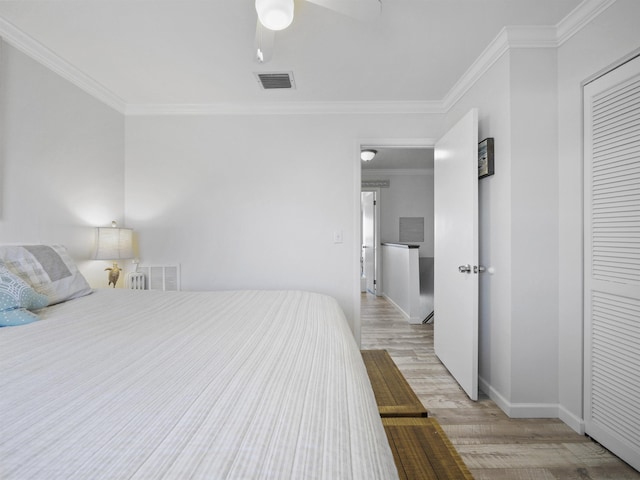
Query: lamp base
{"x": 114, "y": 274}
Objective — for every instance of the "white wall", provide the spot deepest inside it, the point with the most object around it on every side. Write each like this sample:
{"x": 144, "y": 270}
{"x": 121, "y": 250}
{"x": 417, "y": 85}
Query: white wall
{"x": 252, "y": 201}
{"x": 61, "y": 161}
{"x": 611, "y": 36}
{"x": 518, "y": 231}
{"x": 401, "y": 280}
{"x": 408, "y": 195}
{"x": 534, "y": 228}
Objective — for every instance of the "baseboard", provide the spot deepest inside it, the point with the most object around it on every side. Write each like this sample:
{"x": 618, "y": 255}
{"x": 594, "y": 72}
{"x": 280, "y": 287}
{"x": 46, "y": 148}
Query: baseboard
{"x": 532, "y": 410}
{"x": 404, "y": 314}
{"x": 412, "y": 320}
{"x": 494, "y": 395}
{"x": 519, "y": 410}
{"x": 576, "y": 423}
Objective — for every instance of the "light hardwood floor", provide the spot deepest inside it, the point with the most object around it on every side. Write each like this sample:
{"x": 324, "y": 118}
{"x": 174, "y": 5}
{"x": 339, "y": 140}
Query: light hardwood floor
{"x": 493, "y": 446}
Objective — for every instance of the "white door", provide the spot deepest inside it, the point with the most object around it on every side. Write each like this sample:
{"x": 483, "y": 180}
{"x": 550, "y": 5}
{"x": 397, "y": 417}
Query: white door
{"x": 612, "y": 261}
{"x": 456, "y": 252}
{"x": 369, "y": 240}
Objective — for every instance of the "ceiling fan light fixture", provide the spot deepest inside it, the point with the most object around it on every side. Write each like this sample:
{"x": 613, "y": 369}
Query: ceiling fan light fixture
{"x": 275, "y": 14}
{"x": 367, "y": 155}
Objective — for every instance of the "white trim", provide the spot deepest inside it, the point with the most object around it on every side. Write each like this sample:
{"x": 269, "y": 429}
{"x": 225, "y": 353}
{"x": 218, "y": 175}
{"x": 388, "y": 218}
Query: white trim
{"x": 579, "y": 17}
{"x": 575, "y": 422}
{"x": 397, "y": 307}
{"x": 493, "y": 394}
{"x": 379, "y": 288}
{"x": 290, "y": 108}
{"x": 609, "y": 68}
{"x": 519, "y": 410}
{"x": 508, "y": 38}
{"x": 36, "y": 50}
{"x": 498, "y": 47}
{"x": 531, "y": 36}
{"x": 525, "y": 37}
{"x": 533, "y": 410}
{"x": 356, "y": 245}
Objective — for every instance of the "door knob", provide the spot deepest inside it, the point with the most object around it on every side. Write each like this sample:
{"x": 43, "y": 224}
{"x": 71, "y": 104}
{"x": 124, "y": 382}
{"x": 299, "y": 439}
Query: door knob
{"x": 464, "y": 268}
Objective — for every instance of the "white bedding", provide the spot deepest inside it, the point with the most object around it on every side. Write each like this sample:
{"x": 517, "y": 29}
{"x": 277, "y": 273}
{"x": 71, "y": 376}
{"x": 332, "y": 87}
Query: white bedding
{"x": 177, "y": 385}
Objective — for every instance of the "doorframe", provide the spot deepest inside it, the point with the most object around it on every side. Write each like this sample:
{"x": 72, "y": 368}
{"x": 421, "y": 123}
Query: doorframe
{"x": 376, "y": 237}
{"x": 358, "y": 144}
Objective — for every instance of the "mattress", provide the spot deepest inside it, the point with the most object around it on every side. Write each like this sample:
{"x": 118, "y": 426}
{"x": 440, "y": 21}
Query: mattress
{"x": 125, "y": 384}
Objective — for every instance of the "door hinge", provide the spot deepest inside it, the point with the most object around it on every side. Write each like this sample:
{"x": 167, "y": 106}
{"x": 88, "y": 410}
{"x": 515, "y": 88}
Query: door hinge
{"x": 375, "y": 282}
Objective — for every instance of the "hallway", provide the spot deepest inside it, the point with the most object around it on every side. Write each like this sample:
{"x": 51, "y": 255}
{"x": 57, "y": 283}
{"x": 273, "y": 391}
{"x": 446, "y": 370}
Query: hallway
{"x": 493, "y": 446}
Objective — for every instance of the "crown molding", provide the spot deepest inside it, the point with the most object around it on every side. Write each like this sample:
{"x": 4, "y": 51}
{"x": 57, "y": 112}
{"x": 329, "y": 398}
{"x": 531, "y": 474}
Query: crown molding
{"x": 580, "y": 16}
{"x": 531, "y": 36}
{"x": 34, "y": 49}
{"x": 508, "y": 38}
{"x": 292, "y": 108}
{"x": 40, "y": 53}
{"x": 490, "y": 55}
{"x": 525, "y": 37}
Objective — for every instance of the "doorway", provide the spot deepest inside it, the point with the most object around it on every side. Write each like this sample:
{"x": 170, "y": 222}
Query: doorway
{"x": 400, "y": 180}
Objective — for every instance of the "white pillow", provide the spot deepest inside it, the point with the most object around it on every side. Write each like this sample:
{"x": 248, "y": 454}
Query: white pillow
{"x": 48, "y": 269}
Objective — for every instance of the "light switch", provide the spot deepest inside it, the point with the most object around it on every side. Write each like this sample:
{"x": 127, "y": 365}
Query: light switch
{"x": 337, "y": 236}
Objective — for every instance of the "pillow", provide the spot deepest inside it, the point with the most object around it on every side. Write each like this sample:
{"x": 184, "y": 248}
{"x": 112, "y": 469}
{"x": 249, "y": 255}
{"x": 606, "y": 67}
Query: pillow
{"x": 48, "y": 269}
{"x": 15, "y": 298}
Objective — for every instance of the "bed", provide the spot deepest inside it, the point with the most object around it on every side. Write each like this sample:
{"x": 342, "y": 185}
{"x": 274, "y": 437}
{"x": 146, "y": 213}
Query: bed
{"x": 124, "y": 384}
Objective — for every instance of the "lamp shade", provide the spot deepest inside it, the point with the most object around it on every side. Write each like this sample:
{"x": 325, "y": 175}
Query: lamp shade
{"x": 275, "y": 14}
{"x": 114, "y": 243}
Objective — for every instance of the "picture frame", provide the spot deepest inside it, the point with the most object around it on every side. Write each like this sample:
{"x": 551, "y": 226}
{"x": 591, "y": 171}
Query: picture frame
{"x": 485, "y": 158}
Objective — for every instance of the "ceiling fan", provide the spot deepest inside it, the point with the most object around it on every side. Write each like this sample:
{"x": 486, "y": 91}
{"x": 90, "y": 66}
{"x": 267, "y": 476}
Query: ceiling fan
{"x": 275, "y": 15}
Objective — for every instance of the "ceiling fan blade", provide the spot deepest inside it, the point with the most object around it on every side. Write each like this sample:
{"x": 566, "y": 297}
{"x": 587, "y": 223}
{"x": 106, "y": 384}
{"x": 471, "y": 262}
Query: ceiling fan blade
{"x": 264, "y": 43}
{"x": 364, "y": 10}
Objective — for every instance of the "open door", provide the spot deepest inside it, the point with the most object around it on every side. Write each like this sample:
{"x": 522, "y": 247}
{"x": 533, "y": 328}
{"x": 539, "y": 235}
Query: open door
{"x": 369, "y": 241}
{"x": 456, "y": 252}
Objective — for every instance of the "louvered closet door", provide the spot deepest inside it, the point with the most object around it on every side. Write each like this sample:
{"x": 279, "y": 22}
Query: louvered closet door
{"x": 612, "y": 260}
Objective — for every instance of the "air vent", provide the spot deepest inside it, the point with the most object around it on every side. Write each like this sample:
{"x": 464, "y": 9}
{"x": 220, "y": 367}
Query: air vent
{"x": 270, "y": 81}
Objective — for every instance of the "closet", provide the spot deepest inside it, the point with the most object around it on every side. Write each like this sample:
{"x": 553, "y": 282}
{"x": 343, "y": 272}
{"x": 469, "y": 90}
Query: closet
{"x": 612, "y": 260}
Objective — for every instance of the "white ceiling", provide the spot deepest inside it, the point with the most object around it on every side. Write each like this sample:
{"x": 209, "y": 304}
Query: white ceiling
{"x": 150, "y": 52}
